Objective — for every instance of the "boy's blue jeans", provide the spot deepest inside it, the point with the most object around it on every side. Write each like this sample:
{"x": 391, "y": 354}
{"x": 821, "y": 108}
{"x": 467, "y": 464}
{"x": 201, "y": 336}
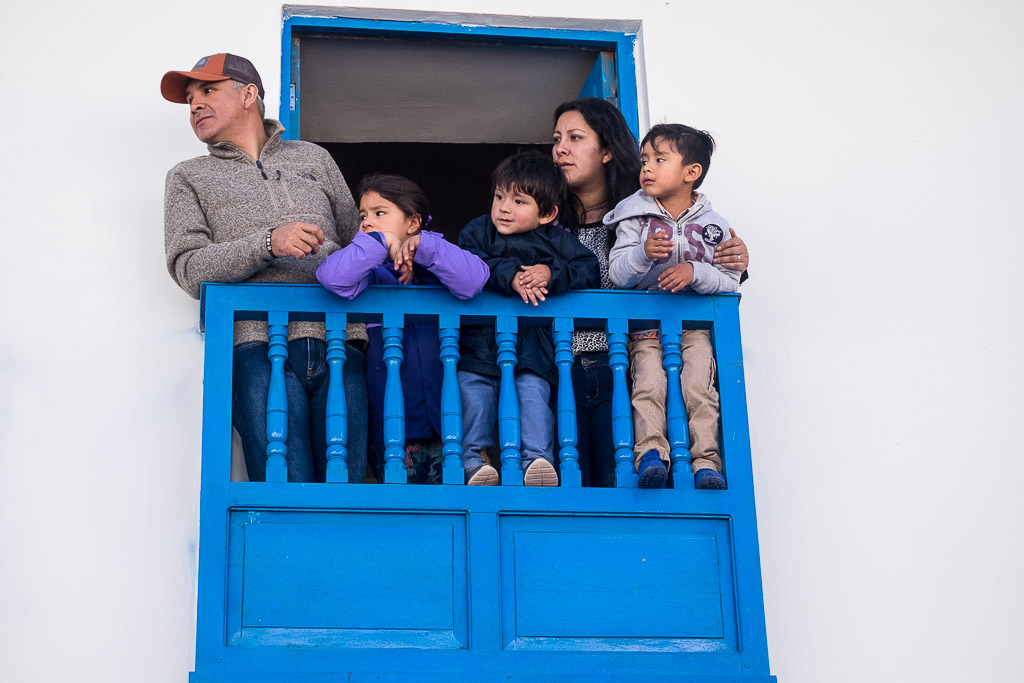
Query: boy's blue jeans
{"x": 306, "y": 375}
{"x": 480, "y": 414}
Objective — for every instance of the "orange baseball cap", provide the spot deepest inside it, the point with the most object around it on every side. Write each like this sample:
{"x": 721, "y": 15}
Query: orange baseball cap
{"x": 219, "y": 67}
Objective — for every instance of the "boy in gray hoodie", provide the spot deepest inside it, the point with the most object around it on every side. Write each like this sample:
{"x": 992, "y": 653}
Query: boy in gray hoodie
{"x": 666, "y": 235}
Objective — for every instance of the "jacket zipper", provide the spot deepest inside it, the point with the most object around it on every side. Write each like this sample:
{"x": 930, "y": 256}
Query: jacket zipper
{"x": 270, "y": 190}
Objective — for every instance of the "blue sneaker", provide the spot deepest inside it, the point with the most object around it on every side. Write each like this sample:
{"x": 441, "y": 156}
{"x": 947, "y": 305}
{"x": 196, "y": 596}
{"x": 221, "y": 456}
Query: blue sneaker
{"x": 708, "y": 479}
{"x": 653, "y": 473}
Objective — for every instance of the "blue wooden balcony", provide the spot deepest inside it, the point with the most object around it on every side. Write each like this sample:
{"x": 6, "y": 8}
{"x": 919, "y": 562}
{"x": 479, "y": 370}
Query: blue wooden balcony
{"x": 398, "y": 582}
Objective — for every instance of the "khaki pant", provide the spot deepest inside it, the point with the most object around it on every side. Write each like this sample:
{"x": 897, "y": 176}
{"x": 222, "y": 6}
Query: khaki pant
{"x": 697, "y": 380}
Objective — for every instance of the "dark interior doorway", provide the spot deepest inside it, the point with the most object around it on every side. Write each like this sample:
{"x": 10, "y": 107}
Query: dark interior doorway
{"x": 455, "y": 177}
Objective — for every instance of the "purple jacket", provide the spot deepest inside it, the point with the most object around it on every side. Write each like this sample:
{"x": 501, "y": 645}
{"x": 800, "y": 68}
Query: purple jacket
{"x": 438, "y": 262}
{"x": 348, "y": 271}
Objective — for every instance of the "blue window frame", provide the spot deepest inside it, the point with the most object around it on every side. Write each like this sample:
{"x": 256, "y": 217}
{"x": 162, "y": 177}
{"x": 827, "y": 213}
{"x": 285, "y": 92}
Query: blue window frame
{"x": 613, "y": 76}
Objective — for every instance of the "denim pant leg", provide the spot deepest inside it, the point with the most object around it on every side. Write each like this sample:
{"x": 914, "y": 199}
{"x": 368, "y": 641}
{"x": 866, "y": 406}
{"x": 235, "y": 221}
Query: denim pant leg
{"x": 249, "y": 405}
{"x": 479, "y": 415}
{"x": 592, "y": 382}
{"x": 536, "y": 421}
{"x": 304, "y": 369}
{"x": 251, "y": 382}
{"x": 354, "y": 377}
{"x": 316, "y": 373}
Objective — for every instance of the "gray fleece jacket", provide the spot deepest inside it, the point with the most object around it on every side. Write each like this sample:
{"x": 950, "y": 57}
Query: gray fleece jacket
{"x": 218, "y": 208}
{"x": 696, "y": 234}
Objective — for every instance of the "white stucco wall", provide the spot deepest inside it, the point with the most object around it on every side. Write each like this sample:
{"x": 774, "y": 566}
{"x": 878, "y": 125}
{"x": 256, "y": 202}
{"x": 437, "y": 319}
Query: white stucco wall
{"x": 870, "y": 156}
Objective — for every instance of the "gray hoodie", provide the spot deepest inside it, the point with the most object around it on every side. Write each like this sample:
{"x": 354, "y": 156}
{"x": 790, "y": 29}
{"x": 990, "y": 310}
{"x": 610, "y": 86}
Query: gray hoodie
{"x": 696, "y": 234}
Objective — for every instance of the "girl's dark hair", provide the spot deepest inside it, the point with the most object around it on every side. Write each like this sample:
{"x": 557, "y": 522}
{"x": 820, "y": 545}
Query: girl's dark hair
{"x": 535, "y": 174}
{"x": 402, "y": 192}
{"x": 622, "y": 173}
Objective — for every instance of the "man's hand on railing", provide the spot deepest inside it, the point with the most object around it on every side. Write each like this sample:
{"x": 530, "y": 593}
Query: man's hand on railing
{"x": 296, "y": 239}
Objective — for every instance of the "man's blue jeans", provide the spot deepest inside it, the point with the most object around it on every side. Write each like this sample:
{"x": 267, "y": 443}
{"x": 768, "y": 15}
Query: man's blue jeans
{"x": 480, "y": 414}
{"x": 306, "y": 375}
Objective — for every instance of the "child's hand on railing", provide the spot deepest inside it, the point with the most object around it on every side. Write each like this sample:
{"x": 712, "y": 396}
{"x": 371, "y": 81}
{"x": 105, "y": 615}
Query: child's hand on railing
{"x": 675, "y": 278}
{"x": 405, "y": 259}
{"x": 394, "y": 244}
{"x": 537, "y": 276}
{"x": 530, "y": 295}
{"x": 532, "y": 283}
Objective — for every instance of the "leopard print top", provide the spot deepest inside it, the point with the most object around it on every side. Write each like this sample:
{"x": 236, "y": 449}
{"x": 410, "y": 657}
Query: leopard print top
{"x": 594, "y": 236}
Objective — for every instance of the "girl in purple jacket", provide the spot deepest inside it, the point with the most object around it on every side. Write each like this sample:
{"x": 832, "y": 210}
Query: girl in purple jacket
{"x": 393, "y": 248}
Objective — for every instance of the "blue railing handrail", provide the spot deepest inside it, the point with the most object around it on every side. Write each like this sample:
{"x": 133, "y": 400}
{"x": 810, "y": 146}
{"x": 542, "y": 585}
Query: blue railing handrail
{"x": 311, "y": 302}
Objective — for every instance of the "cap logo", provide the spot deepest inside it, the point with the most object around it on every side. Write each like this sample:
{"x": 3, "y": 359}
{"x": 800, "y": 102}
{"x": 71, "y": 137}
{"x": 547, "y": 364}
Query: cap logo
{"x": 712, "y": 234}
{"x": 201, "y": 63}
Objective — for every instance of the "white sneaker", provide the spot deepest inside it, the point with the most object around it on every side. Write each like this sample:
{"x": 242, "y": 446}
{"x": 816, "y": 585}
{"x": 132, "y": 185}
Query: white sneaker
{"x": 484, "y": 475}
{"x": 540, "y": 473}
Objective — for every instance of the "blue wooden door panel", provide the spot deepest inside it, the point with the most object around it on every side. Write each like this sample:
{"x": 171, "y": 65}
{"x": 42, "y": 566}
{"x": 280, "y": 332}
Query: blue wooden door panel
{"x": 637, "y": 583}
{"x": 327, "y": 560}
{"x": 342, "y": 561}
{"x": 640, "y": 585}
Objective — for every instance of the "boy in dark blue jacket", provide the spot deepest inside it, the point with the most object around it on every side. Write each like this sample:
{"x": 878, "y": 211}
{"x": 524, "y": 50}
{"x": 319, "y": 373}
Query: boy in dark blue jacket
{"x": 531, "y": 256}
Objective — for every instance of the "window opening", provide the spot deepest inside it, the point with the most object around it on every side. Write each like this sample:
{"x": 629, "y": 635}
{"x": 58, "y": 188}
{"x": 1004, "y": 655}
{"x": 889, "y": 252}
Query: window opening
{"x": 441, "y": 103}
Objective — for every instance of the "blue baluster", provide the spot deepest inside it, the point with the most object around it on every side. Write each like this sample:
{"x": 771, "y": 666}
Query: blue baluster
{"x": 394, "y": 402}
{"x": 451, "y": 401}
{"x": 508, "y": 403}
{"x": 337, "y": 410}
{"x": 568, "y": 455}
{"x": 675, "y": 409}
{"x": 277, "y": 399}
{"x": 622, "y": 411}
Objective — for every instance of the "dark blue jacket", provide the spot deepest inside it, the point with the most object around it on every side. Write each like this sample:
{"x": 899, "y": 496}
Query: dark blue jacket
{"x": 421, "y": 370}
{"x": 572, "y": 265}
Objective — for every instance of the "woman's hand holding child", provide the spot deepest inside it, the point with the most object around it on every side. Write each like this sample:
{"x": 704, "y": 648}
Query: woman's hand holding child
{"x": 732, "y": 253}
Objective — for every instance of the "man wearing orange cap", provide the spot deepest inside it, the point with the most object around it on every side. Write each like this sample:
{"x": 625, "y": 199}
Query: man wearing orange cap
{"x": 261, "y": 209}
